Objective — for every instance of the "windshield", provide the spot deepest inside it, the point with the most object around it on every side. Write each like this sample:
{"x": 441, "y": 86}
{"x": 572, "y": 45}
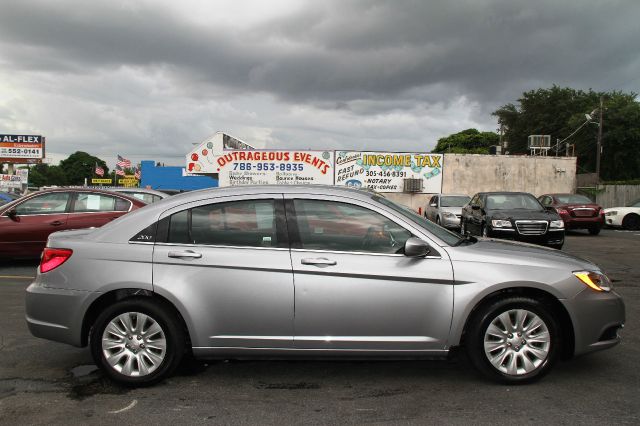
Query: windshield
{"x": 635, "y": 204}
{"x": 448, "y": 237}
{"x": 573, "y": 199}
{"x": 513, "y": 202}
{"x": 454, "y": 200}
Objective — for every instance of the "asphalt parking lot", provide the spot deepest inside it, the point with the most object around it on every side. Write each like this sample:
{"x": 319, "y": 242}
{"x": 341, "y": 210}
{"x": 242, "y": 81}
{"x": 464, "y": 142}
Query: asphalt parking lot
{"x": 42, "y": 382}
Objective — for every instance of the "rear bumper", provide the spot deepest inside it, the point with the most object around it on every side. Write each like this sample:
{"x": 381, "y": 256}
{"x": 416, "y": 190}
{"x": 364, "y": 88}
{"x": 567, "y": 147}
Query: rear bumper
{"x": 583, "y": 222}
{"x": 57, "y": 314}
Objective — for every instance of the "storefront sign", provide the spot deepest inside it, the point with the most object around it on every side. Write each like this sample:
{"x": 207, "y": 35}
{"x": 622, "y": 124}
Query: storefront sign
{"x": 254, "y": 167}
{"x": 11, "y": 181}
{"x": 386, "y": 171}
{"x": 102, "y": 181}
{"x": 21, "y": 148}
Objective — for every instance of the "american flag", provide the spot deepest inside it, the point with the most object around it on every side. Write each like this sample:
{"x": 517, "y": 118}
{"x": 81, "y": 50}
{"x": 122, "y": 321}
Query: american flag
{"x": 137, "y": 174}
{"x": 123, "y": 162}
{"x": 119, "y": 170}
{"x": 99, "y": 170}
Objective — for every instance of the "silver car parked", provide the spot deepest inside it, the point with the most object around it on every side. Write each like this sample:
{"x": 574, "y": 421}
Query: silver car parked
{"x": 280, "y": 271}
{"x": 446, "y": 209}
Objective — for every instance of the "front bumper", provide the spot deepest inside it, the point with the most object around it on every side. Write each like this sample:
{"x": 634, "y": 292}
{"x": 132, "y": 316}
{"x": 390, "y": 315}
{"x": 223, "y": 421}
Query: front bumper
{"x": 597, "y": 318}
{"x": 57, "y": 314}
{"x": 551, "y": 238}
{"x": 451, "y": 222}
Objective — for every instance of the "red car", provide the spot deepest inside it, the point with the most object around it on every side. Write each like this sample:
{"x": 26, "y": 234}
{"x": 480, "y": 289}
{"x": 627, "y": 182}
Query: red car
{"x": 577, "y": 211}
{"x": 25, "y": 224}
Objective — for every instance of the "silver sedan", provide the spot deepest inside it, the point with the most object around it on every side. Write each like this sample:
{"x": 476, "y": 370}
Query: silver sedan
{"x": 291, "y": 271}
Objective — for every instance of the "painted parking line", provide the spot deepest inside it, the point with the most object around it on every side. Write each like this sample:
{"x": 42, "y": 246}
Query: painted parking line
{"x": 16, "y": 277}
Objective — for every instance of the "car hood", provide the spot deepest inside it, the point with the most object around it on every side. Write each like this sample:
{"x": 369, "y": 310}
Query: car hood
{"x": 520, "y": 214}
{"x": 454, "y": 210}
{"x": 488, "y": 250}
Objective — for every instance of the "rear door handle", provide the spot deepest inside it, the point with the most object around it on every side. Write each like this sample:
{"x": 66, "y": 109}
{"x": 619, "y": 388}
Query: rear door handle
{"x": 186, "y": 253}
{"x": 56, "y": 223}
{"x": 318, "y": 261}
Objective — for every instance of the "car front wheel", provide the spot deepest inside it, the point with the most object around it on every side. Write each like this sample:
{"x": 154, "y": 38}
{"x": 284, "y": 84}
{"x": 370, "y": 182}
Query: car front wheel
{"x": 514, "y": 340}
{"x": 137, "y": 342}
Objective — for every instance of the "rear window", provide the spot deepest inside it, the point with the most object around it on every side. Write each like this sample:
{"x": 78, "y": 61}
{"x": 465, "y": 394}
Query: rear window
{"x": 87, "y": 202}
{"x": 573, "y": 199}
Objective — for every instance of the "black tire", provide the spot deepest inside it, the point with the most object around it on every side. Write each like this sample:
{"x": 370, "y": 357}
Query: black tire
{"x": 631, "y": 222}
{"x": 595, "y": 230}
{"x": 170, "y": 326}
{"x": 488, "y": 314}
{"x": 437, "y": 220}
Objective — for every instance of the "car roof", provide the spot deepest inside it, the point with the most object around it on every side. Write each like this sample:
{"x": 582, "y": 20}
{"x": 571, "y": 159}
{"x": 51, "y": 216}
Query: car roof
{"x": 506, "y": 193}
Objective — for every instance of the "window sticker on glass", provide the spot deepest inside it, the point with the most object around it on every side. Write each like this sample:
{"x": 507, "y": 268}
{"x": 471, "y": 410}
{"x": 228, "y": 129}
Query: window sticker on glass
{"x": 93, "y": 202}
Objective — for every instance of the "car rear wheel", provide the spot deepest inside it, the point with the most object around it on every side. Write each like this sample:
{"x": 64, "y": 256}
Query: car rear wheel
{"x": 631, "y": 221}
{"x": 137, "y": 342}
{"x": 513, "y": 340}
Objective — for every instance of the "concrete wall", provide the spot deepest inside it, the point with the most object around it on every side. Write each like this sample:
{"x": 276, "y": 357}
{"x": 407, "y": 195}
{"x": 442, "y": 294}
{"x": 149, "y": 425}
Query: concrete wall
{"x": 472, "y": 173}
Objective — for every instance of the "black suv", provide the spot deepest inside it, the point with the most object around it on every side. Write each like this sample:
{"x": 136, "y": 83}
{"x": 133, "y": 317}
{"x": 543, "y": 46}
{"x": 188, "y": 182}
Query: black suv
{"x": 513, "y": 216}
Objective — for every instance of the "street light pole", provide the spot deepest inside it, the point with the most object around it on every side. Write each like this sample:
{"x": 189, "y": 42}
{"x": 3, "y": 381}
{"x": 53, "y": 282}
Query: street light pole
{"x": 599, "y": 144}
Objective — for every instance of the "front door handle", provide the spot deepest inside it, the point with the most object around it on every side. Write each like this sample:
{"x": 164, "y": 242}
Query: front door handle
{"x": 56, "y": 223}
{"x": 318, "y": 261}
{"x": 186, "y": 253}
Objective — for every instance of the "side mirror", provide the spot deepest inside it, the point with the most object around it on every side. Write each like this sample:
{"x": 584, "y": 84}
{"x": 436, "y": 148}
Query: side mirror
{"x": 433, "y": 205}
{"x": 415, "y": 247}
{"x": 12, "y": 214}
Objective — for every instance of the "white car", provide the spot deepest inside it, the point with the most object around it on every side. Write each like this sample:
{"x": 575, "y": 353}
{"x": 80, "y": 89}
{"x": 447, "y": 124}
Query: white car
{"x": 626, "y": 217}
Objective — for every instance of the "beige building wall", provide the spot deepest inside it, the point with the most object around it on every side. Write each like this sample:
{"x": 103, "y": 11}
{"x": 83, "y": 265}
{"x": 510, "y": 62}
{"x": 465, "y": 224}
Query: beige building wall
{"x": 472, "y": 173}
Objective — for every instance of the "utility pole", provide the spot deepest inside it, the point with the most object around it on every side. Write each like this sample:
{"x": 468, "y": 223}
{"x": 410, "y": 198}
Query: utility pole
{"x": 599, "y": 144}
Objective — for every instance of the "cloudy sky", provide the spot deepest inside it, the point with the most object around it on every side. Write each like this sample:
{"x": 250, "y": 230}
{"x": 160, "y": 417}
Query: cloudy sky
{"x": 147, "y": 79}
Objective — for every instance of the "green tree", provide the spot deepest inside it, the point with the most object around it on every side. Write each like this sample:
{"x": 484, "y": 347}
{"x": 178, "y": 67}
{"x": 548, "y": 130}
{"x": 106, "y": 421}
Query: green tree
{"x": 46, "y": 175}
{"x": 469, "y": 141}
{"x": 79, "y": 166}
{"x": 559, "y": 111}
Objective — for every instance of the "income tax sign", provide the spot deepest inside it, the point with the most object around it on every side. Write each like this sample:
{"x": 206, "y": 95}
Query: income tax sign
{"x": 386, "y": 171}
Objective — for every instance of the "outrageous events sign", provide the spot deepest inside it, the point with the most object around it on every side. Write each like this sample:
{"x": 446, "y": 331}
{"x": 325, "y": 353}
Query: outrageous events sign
{"x": 237, "y": 163}
{"x": 386, "y": 171}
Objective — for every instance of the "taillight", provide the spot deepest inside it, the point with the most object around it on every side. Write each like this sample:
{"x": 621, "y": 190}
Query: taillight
{"x": 53, "y": 257}
{"x": 562, "y": 211}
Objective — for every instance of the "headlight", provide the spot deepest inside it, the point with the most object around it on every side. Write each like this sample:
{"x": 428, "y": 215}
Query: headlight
{"x": 594, "y": 280}
{"x": 611, "y": 213}
{"x": 557, "y": 224}
{"x": 448, "y": 214}
{"x": 500, "y": 223}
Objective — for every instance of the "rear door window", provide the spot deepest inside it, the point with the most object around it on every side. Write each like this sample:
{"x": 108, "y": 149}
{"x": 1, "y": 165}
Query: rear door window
{"x": 88, "y": 202}
{"x": 248, "y": 223}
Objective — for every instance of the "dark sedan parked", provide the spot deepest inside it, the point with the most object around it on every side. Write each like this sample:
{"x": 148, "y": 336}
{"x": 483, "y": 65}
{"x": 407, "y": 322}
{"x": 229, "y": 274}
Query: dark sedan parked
{"x": 577, "y": 211}
{"x": 513, "y": 216}
{"x": 25, "y": 224}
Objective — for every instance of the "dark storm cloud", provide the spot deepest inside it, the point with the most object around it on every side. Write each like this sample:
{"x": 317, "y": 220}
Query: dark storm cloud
{"x": 339, "y": 51}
